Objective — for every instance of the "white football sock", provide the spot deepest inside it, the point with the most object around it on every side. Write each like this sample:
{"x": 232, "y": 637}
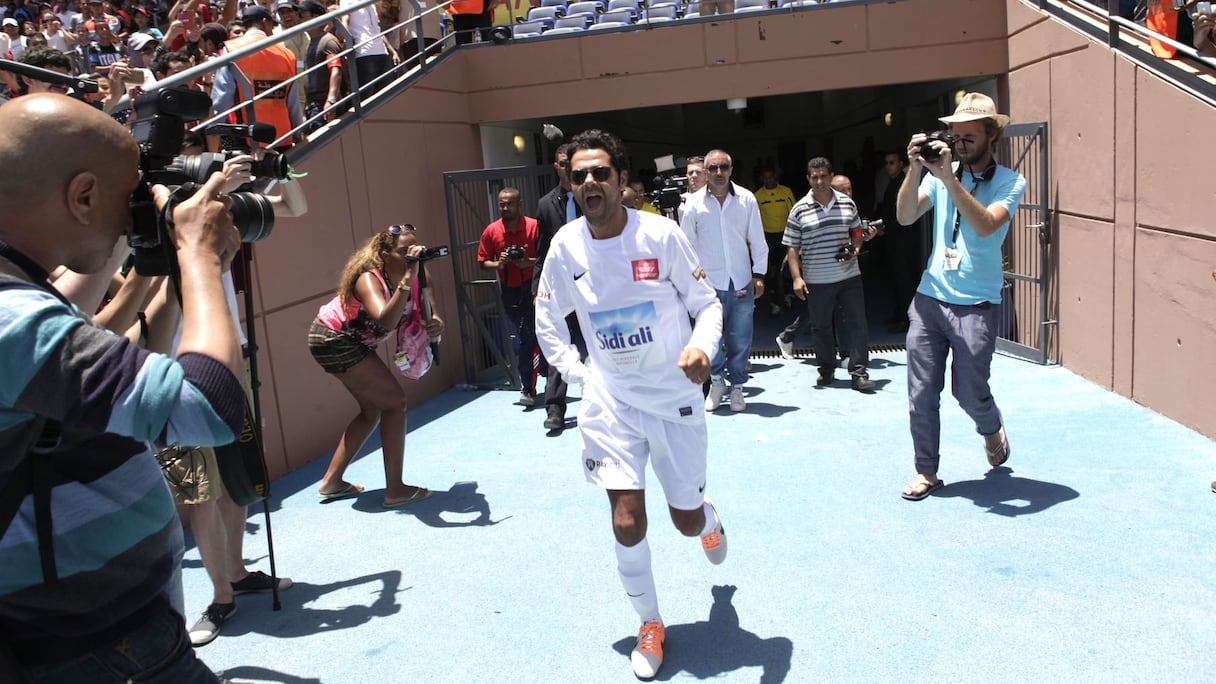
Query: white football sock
{"x": 711, "y": 517}
{"x": 633, "y": 564}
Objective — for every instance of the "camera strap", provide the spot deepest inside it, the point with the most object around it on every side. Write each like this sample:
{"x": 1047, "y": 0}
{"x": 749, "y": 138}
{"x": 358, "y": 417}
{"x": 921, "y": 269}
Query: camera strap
{"x": 958, "y": 216}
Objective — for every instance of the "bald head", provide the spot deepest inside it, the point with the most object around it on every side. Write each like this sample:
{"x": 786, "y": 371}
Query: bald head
{"x": 49, "y": 139}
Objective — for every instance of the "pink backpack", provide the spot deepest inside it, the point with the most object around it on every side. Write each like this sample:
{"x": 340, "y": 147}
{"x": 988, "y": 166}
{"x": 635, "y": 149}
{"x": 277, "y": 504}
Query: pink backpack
{"x": 414, "y": 357}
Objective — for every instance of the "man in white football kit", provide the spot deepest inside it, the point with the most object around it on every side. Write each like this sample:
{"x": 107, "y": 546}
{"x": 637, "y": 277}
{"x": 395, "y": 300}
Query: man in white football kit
{"x": 633, "y": 281}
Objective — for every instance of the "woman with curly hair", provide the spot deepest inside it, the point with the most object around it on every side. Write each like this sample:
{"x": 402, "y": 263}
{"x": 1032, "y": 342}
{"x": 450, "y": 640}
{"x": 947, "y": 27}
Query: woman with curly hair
{"x": 374, "y": 298}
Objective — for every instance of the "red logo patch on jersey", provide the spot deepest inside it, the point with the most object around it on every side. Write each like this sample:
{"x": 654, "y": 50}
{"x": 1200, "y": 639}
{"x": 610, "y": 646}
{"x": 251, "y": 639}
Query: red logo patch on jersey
{"x": 645, "y": 269}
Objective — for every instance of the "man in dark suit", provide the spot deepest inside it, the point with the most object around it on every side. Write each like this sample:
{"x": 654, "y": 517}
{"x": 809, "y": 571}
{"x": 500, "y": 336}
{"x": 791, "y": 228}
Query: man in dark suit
{"x": 554, "y": 210}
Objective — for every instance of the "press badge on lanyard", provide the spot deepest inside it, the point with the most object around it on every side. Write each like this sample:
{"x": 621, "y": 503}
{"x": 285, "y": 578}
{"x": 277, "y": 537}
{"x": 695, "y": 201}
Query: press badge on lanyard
{"x": 951, "y": 259}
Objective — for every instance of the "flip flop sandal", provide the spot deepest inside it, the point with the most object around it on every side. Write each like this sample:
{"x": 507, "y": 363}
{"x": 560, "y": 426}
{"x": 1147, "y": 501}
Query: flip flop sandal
{"x": 998, "y": 456}
{"x": 917, "y": 494}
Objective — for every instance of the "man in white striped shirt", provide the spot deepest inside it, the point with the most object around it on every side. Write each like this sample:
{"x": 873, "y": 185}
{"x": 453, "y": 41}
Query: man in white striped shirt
{"x": 823, "y": 234}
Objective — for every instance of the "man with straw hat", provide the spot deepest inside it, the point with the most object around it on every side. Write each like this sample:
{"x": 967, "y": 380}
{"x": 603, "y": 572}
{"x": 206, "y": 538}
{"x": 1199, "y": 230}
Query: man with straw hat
{"x": 956, "y": 306}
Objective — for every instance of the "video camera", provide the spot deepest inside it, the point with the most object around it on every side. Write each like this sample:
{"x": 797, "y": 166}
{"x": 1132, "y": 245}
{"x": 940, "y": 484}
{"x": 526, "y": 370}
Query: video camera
{"x": 160, "y": 125}
{"x": 930, "y": 153}
{"x": 667, "y": 191}
{"x": 442, "y": 251}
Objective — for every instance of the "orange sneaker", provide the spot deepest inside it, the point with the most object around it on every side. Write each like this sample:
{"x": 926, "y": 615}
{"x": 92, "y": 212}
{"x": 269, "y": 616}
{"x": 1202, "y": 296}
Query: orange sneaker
{"x": 714, "y": 543}
{"x": 647, "y": 656}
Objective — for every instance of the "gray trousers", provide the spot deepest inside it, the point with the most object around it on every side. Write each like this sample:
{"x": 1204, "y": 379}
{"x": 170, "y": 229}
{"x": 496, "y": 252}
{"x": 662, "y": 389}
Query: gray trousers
{"x": 968, "y": 333}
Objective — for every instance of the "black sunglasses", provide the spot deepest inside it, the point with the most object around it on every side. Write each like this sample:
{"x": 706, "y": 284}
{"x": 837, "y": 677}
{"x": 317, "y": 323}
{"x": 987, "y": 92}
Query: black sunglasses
{"x": 599, "y": 173}
{"x": 714, "y": 168}
{"x": 563, "y": 163}
{"x": 397, "y": 229}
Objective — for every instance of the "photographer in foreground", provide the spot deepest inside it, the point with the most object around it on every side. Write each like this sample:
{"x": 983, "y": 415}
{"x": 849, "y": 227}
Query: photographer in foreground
{"x": 957, "y": 304}
{"x": 92, "y": 597}
{"x": 374, "y": 297}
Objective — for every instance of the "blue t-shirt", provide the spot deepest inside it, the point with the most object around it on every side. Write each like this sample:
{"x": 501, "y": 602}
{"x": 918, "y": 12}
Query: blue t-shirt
{"x": 979, "y": 274}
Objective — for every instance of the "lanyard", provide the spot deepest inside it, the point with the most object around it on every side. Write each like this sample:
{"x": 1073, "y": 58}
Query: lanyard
{"x": 958, "y": 216}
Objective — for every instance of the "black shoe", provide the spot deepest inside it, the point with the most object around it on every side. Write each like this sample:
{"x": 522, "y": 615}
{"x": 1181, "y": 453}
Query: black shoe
{"x": 208, "y": 626}
{"x": 555, "y": 421}
{"x": 258, "y": 582}
{"x": 825, "y": 379}
{"x": 863, "y": 383}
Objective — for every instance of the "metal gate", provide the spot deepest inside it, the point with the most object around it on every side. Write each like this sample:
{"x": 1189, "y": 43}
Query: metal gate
{"x": 486, "y": 335}
{"x": 1028, "y": 307}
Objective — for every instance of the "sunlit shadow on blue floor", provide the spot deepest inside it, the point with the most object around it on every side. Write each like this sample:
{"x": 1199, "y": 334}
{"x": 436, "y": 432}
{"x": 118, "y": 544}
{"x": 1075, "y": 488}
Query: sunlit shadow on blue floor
{"x": 1085, "y": 558}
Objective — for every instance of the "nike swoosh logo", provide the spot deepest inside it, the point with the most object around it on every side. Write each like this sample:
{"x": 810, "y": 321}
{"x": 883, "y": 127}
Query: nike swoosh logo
{"x": 580, "y": 275}
{"x": 635, "y": 595}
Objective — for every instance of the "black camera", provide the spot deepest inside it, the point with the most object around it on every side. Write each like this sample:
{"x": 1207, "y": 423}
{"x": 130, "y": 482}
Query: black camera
{"x": 442, "y": 251}
{"x": 515, "y": 253}
{"x": 160, "y": 125}
{"x": 667, "y": 191}
{"x": 930, "y": 153}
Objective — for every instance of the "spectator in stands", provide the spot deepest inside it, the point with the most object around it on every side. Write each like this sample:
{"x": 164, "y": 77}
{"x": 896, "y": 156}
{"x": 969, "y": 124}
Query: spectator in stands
{"x": 79, "y": 53}
{"x": 69, "y": 15}
{"x": 323, "y": 87}
{"x": 56, "y": 37}
{"x": 1205, "y": 39}
{"x": 45, "y": 58}
{"x": 711, "y": 7}
{"x": 105, "y": 51}
{"x": 470, "y": 17}
{"x": 211, "y": 38}
{"x": 508, "y": 247}
{"x": 13, "y": 42}
{"x": 288, "y": 13}
{"x": 143, "y": 24}
{"x": 266, "y": 69}
{"x": 170, "y": 63}
{"x": 142, "y": 49}
{"x": 373, "y": 54}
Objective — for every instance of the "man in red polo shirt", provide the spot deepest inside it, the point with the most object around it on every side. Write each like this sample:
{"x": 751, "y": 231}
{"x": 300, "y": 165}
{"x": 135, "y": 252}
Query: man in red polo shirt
{"x": 508, "y": 246}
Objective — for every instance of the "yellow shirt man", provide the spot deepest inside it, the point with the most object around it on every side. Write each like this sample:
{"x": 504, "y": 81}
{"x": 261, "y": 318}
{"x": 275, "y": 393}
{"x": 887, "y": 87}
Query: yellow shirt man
{"x": 775, "y": 204}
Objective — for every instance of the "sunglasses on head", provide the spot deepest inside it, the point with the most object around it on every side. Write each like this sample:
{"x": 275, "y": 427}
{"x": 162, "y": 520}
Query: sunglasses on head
{"x": 599, "y": 173}
{"x": 714, "y": 168}
{"x": 400, "y": 228}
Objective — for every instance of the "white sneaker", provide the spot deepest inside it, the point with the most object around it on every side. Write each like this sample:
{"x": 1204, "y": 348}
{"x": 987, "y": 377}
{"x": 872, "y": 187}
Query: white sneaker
{"x": 736, "y": 398}
{"x": 647, "y": 655}
{"x": 787, "y": 348}
{"x": 717, "y": 389}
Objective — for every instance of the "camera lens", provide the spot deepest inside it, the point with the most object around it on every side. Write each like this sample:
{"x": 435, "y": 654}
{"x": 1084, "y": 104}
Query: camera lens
{"x": 270, "y": 166}
{"x": 197, "y": 168}
{"x": 252, "y": 215}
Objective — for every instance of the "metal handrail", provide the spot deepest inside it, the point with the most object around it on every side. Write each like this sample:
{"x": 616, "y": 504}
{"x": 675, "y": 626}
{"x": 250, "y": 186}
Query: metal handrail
{"x": 354, "y": 98}
{"x": 1113, "y": 39}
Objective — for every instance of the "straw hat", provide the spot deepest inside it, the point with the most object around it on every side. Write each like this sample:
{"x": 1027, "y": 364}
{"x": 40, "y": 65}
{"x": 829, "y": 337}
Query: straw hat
{"x": 973, "y": 107}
